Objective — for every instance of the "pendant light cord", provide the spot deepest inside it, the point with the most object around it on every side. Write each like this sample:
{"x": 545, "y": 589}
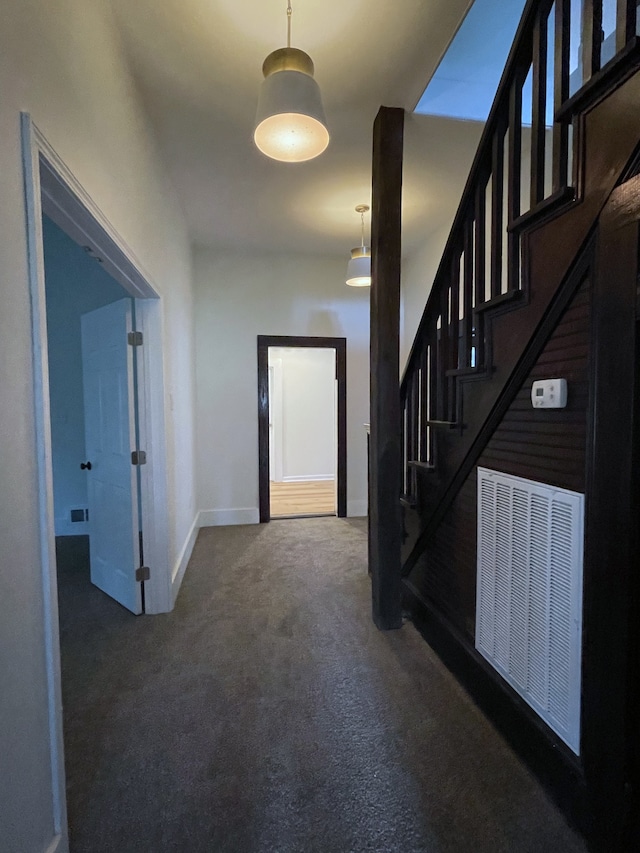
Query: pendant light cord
{"x": 289, "y": 13}
{"x": 362, "y": 209}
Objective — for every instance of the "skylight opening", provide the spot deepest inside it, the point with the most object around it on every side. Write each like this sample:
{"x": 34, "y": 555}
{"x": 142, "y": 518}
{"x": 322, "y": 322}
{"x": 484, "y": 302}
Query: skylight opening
{"x": 467, "y": 78}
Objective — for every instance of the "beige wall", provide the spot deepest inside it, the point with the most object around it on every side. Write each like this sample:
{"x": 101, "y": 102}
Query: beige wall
{"x": 62, "y": 63}
{"x": 237, "y": 299}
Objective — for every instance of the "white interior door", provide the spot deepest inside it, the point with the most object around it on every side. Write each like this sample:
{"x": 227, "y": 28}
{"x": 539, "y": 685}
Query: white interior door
{"x": 108, "y": 381}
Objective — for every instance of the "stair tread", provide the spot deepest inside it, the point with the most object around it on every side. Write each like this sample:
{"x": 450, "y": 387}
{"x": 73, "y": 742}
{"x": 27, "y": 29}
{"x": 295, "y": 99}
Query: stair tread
{"x": 507, "y": 296}
{"x": 421, "y": 466}
{"x": 466, "y": 371}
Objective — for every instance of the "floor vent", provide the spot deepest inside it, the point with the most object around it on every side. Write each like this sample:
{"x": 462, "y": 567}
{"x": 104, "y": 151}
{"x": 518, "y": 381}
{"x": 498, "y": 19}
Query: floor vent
{"x": 529, "y": 594}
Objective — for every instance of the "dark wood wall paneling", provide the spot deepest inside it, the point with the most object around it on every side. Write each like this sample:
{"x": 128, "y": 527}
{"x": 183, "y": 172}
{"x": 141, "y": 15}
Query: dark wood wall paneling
{"x": 547, "y": 446}
{"x": 608, "y": 135}
{"x": 550, "y": 444}
{"x": 544, "y": 445}
{"x": 587, "y": 444}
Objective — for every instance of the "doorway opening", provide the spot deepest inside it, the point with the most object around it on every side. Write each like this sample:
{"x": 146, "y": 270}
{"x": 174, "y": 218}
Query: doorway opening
{"x": 94, "y": 422}
{"x": 51, "y": 189}
{"x": 302, "y": 432}
{"x": 302, "y": 426}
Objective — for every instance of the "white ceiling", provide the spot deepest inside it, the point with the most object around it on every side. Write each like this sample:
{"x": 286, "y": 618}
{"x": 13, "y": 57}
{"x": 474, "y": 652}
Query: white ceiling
{"x": 198, "y": 64}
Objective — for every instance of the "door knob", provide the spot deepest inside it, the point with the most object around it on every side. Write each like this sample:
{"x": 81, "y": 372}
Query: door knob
{"x": 85, "y": 465}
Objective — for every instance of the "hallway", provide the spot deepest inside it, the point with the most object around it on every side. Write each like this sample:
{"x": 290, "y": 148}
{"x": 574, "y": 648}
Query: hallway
{"x": 266, "y": 714}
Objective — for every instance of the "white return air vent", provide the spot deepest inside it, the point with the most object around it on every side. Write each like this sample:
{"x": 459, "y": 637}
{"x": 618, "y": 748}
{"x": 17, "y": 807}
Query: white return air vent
{"x": 529, "y": 601}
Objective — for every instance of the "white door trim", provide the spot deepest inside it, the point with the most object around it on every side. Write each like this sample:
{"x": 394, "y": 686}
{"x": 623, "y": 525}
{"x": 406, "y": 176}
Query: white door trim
{"x": 153, "y": 476}
{"x": 52, "y": 187}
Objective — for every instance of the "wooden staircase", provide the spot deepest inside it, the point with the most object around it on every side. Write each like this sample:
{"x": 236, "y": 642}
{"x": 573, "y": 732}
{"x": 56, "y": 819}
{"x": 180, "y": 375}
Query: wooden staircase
{"x": 519, "y": 265}
{"x": 528, "y": 207}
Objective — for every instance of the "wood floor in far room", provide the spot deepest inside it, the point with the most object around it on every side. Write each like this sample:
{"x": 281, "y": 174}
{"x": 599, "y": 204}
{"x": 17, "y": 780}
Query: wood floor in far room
{"x": 310, "y": 497}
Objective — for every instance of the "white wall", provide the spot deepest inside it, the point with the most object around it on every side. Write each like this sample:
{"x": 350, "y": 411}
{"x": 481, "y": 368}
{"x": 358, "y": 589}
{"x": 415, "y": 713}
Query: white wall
{"x": 418, "y": 272}
{"x": 424, "y": 247}
{"x": 303, "y": 412}
{"x": 239, "y": 297}
{"x": 62, "y": 62}
{"x": 75, "y": 284}
{"x": 438, "y": 153}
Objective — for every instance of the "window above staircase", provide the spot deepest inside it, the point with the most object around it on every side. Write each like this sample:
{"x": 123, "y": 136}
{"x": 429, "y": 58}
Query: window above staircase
{"x": 467, "y": 78}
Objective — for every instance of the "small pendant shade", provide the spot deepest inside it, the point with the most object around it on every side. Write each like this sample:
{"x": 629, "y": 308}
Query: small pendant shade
{"x": 359, "y": 266}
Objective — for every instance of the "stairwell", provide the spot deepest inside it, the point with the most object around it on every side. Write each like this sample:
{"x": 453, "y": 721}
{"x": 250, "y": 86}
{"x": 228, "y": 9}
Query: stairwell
{"x": 512, "y": 301}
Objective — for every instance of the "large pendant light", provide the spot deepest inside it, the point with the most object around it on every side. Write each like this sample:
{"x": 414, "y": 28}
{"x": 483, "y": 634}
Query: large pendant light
{"x": 290, "y": 121}
{"x": 359, "y": 267}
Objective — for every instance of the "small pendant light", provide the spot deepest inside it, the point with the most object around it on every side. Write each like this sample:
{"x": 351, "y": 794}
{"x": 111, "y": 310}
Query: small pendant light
{"x": 359, "y": 267}
{"x": 290, "y": 121}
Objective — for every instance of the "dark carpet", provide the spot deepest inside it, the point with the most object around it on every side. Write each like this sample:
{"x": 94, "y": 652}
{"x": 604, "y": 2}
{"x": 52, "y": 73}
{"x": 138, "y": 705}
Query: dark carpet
{"x": 266, "y": 714}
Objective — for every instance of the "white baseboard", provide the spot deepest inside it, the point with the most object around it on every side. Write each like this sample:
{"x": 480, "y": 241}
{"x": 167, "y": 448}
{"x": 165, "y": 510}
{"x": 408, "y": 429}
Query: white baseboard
{"x": 182, "y": 562}
{"x": 58, "y": 843}
{"x": 356, "y": 509}
{"x": 308, "y": 478}
{"x": 228, "y": 517}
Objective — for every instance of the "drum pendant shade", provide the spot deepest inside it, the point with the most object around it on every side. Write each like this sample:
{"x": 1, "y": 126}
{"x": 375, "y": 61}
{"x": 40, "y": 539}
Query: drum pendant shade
{"x": 290, "y": 121}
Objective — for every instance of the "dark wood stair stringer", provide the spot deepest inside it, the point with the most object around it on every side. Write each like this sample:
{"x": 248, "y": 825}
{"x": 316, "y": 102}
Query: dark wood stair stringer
{"x": 608, "y": 135}
{"x": 535, "y": 346}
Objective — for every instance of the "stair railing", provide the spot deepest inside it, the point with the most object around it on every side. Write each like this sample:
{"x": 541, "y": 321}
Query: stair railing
{"x": 523, "y": 170}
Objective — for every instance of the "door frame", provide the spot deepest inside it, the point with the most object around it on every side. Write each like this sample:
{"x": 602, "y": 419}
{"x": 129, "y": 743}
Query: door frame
{"x": 340, "y": 347}
{"x": 51, "y": 187}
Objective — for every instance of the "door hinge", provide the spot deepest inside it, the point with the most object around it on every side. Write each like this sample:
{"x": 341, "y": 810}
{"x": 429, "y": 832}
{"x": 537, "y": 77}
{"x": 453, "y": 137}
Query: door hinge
{"x": 138, "y": 457}
{"x": 134, "y": 339}
{"x": 143, "y": 573}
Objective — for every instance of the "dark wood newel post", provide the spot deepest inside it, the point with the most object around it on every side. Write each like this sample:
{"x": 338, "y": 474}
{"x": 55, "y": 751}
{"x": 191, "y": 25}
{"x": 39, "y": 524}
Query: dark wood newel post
{"x": 385, "y": 456}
